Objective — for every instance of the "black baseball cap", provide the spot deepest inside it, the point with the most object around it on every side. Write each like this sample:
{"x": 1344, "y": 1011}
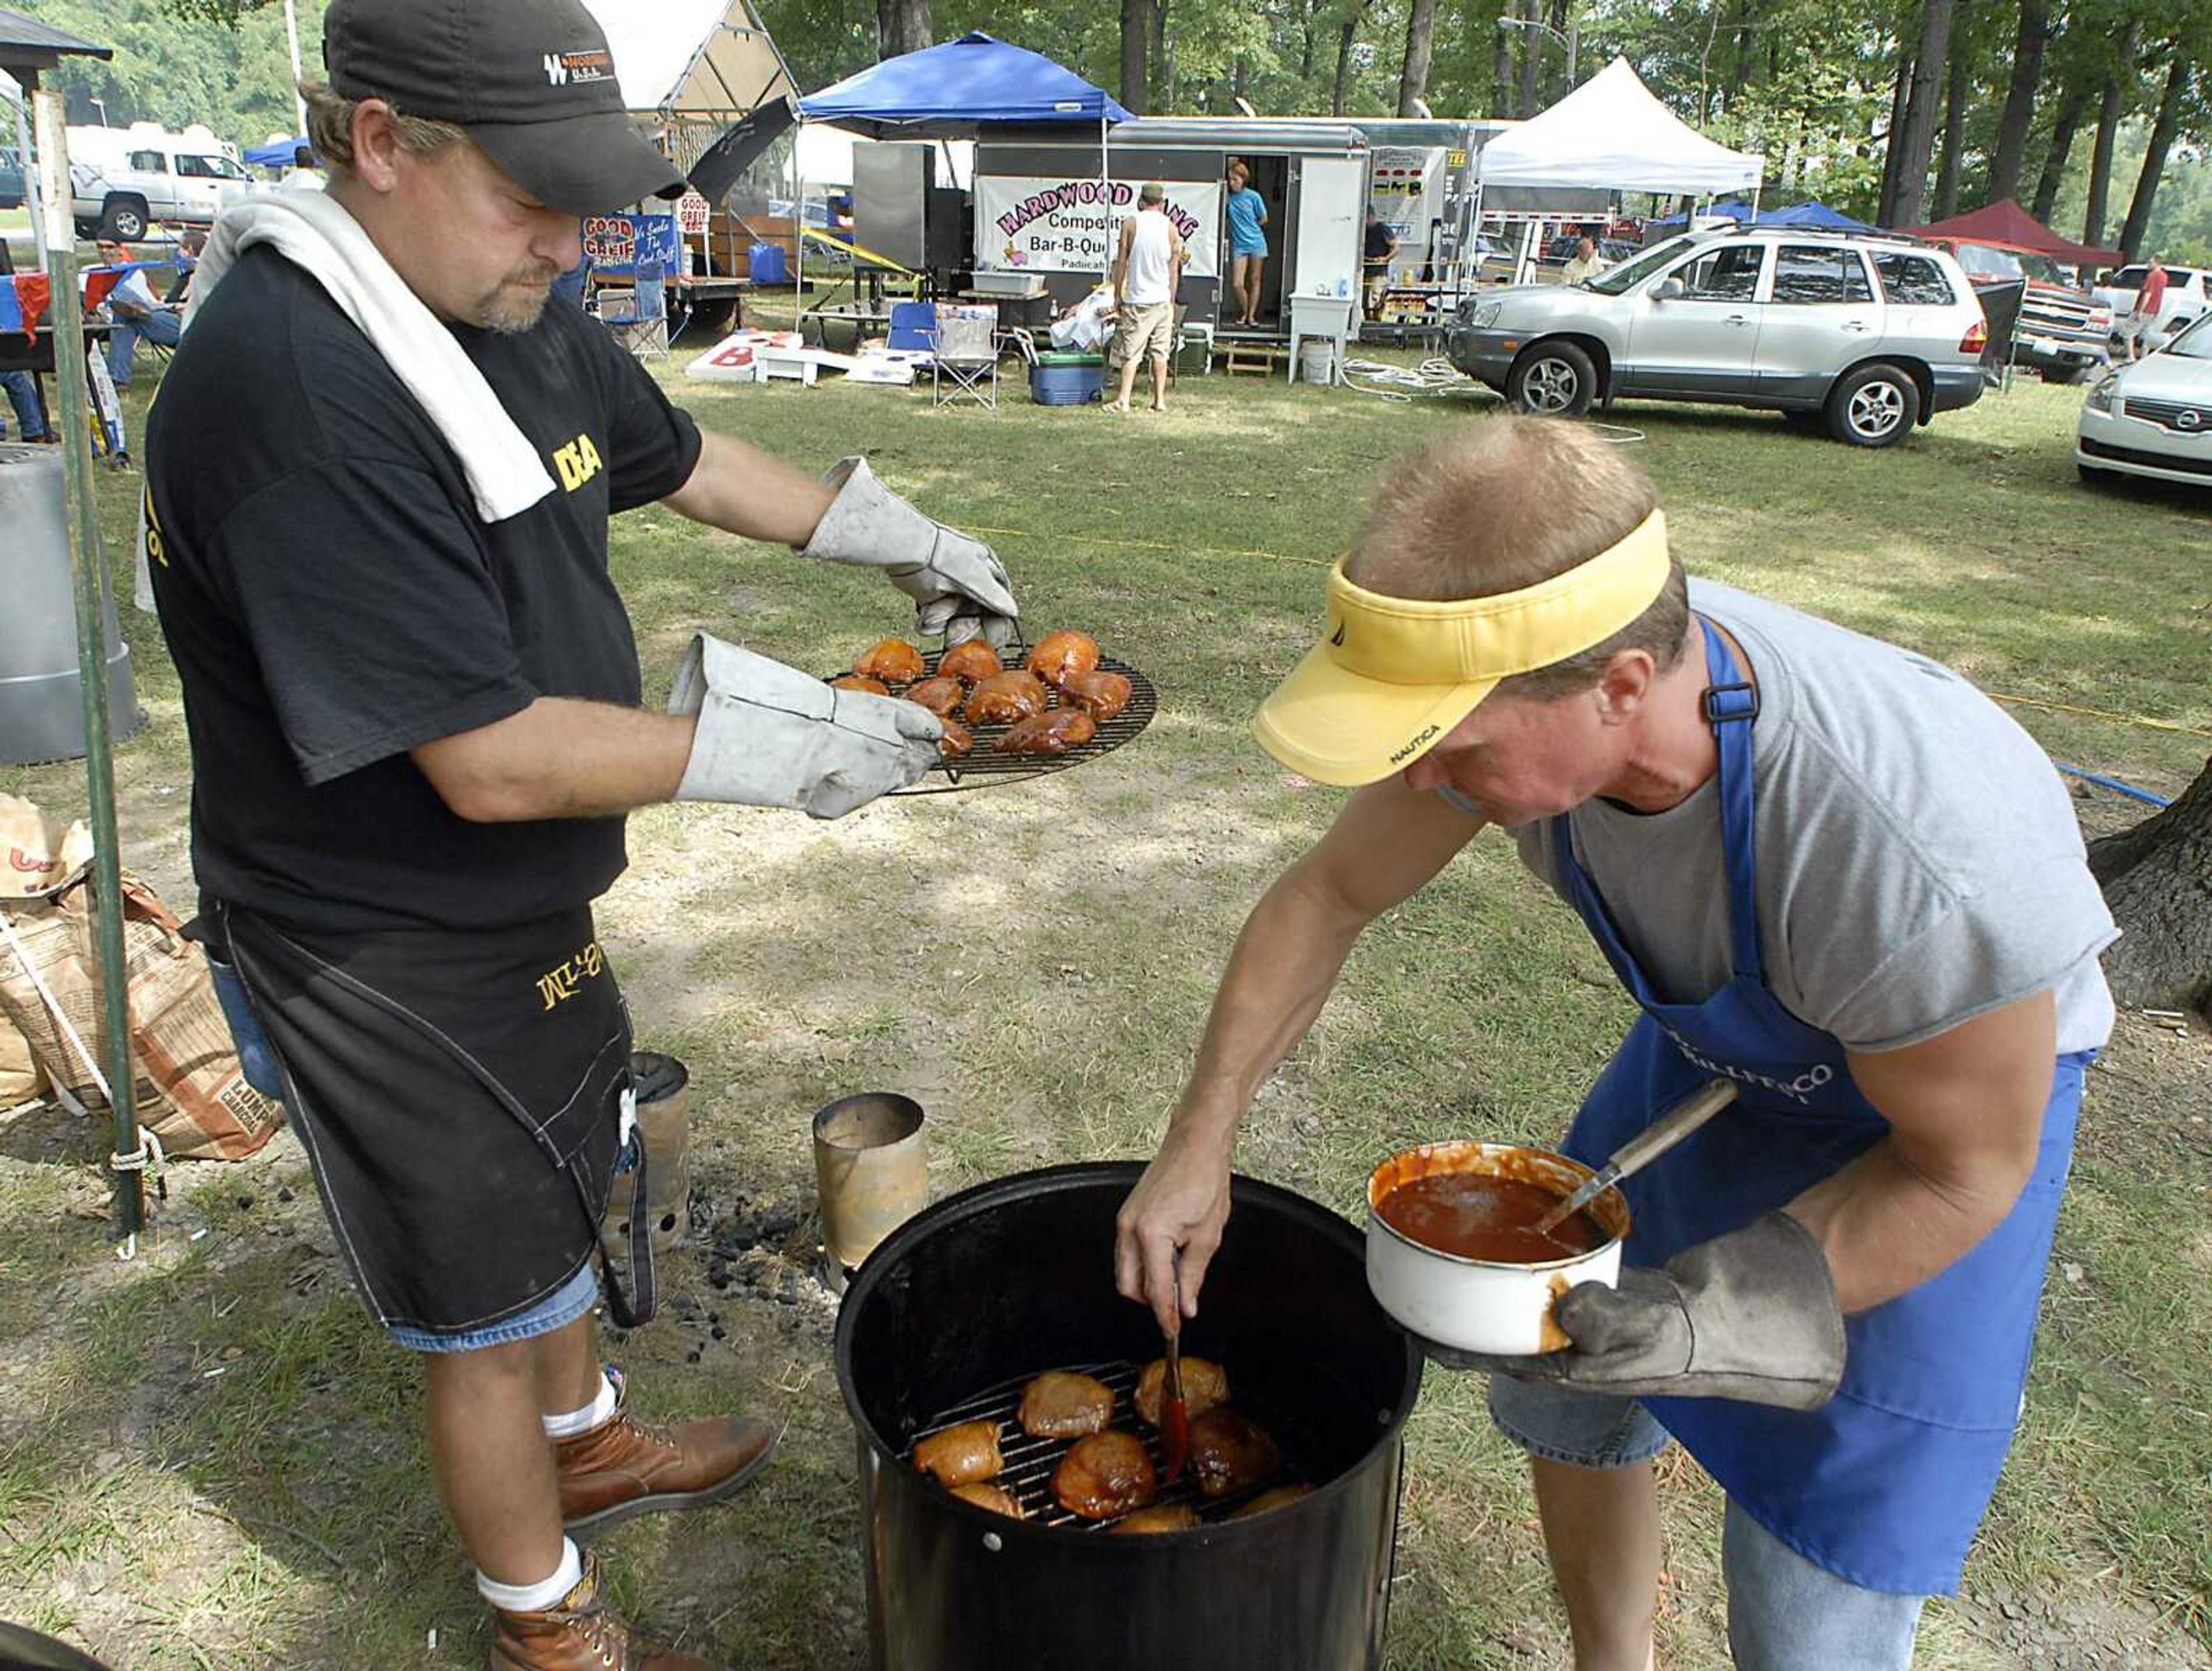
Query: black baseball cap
{"x": 531, "y": 81}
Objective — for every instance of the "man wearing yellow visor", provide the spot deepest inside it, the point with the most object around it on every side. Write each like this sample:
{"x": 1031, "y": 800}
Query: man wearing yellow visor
{"x": 1826, "y": 870}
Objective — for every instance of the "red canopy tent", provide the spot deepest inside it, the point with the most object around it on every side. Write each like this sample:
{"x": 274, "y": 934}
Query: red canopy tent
{"x": 2008, "y": 226}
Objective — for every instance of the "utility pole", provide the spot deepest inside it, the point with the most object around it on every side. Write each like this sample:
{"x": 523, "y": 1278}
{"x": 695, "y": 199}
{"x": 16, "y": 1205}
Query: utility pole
{"x": 292, "y": 34}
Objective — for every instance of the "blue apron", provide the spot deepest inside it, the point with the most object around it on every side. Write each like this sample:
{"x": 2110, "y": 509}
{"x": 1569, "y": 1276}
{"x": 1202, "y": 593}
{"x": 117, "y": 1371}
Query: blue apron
{"x": 1886, "y": 1484}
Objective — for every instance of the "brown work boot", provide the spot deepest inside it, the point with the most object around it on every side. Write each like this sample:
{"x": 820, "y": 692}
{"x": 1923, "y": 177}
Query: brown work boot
{"x": 577, "y": 1634}
{"x": 625, "y": 1467}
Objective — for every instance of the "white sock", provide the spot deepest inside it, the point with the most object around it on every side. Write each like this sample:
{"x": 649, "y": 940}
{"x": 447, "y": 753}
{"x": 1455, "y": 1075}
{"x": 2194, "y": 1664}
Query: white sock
{"x": 583, "y": 1420}
{"x": 536, "y": 1598}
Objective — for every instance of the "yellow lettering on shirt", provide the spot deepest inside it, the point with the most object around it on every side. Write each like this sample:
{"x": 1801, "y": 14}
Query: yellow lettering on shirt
{"x": 558, "y": 985}
{"x": 578, "y": 462}
{"x": 156, "y": 548}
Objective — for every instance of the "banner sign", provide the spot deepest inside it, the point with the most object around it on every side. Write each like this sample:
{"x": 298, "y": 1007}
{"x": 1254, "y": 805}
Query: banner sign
{"x": 617, "y": 243}
{"x": 1032, "y": 224}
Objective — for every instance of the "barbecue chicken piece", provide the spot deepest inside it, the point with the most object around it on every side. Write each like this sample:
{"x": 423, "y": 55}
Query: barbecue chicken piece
{"x": 958, "y": 741}
{"x": 1228, "y": 1453}
{"x": 1281, "y": 1497}
{"x": 1054, "y": 732}
{"x": 1004, "y": 697}
{"x": 1162, "y": 1517}
{"x": 961, "y": 1455}
{"x": 970, "y": 663}
{"x": 1101, "y": 695}
{"x": 1105, "y": 1475}
{"x": 860, "y": 681}
{"x": 1060, "y": 1405}
{"x": 940, "y": 695}
{"x": 998, "y": 1499}
{"x": 1204, "y": 1384}
{"x": 1060, "y": 654}
{"x": 893, "y": 661}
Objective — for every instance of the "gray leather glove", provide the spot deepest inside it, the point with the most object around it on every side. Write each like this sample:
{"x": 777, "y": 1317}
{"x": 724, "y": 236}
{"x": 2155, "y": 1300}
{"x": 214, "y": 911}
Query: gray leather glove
{"x": 772, "y": 736}
{"x": 1749, "y": 1315}
{"x": 958, "y": 586}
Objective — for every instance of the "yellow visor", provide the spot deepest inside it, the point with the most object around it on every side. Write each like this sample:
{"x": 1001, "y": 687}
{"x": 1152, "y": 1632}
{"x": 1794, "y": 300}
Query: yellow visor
{"x": 1391, "y": 675}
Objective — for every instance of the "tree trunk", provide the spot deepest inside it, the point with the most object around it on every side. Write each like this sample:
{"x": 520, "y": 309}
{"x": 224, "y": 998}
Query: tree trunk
{"x": 1343, "y": 65}
{"x": 1527, "y": 43}
{"x": 1136, "y": 43}
{"x": 1740, "y": 56}
{"x": 1893, "y": 151}
{"x": 2162, "y": 135}
{"x": 902, "y": 27}
{"x": 2007, "y": 159}
{"x": 1421, "y": 32}
{"x": 1959, "y": 77}
{"x": 1501, "y": 64}
{"x": 1919, "y": 136}
{"x": 2108, "y": 133}
{"x": 2157, "y": 877}
{"x": 1163, "y": 69}
{"x": 2063, "y": 130}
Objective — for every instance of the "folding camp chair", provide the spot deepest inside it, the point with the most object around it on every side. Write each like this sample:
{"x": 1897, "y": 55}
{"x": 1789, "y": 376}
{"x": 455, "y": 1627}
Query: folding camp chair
{"x": 964, "y": 354}
{"x": 638, "y": 317}
{"x": 914, "y": 325}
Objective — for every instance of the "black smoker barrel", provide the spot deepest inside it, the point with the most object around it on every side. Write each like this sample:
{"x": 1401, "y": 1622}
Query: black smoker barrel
{"x": 1016, "y": 1276}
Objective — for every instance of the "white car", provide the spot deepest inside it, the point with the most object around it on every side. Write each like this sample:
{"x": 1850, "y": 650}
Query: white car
{"x": 2188, "y": 299}
{"x": 2152, "y": 419}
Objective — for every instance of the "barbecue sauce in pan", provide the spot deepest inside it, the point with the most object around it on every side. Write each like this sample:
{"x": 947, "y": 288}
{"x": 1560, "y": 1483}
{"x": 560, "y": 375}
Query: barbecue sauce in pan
{"x": 1480, "y": 1216}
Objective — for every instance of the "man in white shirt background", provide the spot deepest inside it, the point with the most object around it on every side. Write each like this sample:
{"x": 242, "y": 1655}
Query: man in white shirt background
{"x": 1147, "y": 267}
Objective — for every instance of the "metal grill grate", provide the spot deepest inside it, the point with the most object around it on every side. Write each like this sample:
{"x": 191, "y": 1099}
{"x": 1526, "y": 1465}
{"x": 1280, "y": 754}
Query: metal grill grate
{"x": 984, "y": 767}
{"x": 1029, "y": 1463}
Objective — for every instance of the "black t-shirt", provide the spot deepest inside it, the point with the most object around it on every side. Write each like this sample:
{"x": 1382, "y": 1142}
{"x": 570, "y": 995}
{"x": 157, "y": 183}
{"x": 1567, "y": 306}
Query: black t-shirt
{"x": 1379, "y": 243}
{"x": 331, "y": 599}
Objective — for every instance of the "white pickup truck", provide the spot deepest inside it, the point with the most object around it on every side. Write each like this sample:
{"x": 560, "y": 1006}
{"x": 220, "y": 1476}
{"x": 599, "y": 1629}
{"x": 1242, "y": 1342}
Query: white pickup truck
{"x": 121, "y": 200}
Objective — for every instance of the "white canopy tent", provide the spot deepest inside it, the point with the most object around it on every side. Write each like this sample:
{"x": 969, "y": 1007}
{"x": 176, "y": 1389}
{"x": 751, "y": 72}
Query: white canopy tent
{"x": 1612, "y": 134}
{"x": 705, "y": 61}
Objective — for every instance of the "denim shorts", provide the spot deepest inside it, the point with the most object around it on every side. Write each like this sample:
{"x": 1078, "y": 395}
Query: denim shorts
{"x": 562, "y": 1307}
{"x": 1785, "y": 1613}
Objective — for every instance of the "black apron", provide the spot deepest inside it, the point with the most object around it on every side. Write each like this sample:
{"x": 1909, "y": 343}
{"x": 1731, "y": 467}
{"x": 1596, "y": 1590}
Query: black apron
{"x": 462, "y": 1099}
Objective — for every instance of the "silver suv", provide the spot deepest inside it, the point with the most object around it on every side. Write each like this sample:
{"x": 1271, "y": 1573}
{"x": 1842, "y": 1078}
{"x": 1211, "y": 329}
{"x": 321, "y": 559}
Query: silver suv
{"x": 1868, "y": 335}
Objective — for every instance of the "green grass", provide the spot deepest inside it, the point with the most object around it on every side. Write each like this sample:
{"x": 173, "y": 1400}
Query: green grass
{"x": 1034, "y": 964}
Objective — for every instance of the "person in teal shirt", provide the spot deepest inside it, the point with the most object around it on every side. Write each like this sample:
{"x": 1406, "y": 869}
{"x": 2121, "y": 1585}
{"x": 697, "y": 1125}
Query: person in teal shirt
{"x": 1248, "y": 243}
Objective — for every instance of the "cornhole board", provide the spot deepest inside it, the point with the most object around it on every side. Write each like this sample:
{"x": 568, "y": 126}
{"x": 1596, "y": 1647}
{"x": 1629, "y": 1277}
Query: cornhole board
{"x": 733, "y": 359}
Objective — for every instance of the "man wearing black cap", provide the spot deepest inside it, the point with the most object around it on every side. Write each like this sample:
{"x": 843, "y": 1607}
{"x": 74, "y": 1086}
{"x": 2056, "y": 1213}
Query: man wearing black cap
{"x": 412, "y": 694}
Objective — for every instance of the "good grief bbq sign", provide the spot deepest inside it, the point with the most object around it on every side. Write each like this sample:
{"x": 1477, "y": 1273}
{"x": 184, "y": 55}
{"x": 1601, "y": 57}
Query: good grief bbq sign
{"x": 1030, "y": 223}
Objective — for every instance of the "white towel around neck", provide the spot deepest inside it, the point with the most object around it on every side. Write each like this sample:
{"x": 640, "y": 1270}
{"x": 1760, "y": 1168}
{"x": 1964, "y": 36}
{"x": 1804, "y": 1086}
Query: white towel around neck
{"x": 314, "y": 232}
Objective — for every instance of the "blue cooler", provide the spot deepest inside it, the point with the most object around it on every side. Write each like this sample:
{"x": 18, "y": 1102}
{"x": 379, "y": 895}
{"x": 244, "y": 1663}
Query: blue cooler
{"x": 1067, "y": 380}
{"x": 767, "y": 265}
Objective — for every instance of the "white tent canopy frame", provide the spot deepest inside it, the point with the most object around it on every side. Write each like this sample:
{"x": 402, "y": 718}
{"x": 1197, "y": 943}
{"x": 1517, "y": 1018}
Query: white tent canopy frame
{"x": 703, "y": 61}
{"x": 1612, "y": 134}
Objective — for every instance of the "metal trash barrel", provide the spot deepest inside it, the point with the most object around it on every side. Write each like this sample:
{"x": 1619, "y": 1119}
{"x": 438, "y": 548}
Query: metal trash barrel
{"x": 41, "y": 703}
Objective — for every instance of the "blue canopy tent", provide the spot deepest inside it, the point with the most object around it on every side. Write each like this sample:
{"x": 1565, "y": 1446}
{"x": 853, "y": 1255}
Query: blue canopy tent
{"x": 1812, "y": 214}
{"x": 276, "y": 153}
{"x": 949, "y": 91}
{"x": 957, "y": 90}
{"x": 1734, "y": 210}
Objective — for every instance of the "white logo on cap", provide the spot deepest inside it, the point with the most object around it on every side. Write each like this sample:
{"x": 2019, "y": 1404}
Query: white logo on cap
{"x": 562, "y": 67}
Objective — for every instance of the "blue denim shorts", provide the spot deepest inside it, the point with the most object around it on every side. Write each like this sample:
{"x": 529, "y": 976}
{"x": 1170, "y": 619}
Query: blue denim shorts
{"x": 1785, "y": 1613}
{"x": 562, "y": 1307}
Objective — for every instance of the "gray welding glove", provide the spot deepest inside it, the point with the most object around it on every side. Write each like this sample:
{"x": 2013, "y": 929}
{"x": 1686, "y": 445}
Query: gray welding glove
{"x": 772, "y": 736}
{"x": 958, "y": 586}
{"x": 1749, "y": 1315}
